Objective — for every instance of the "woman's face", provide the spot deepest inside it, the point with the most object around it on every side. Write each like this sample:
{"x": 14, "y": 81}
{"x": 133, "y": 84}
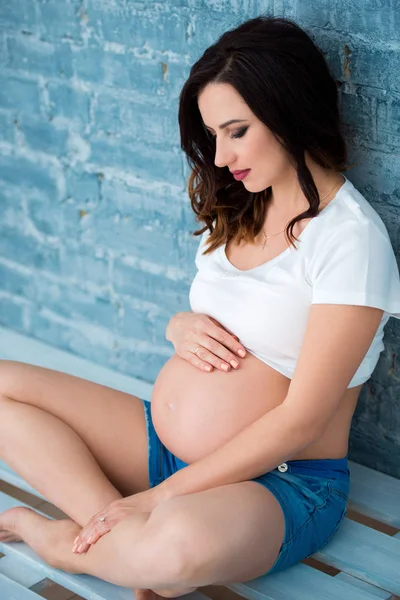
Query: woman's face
{"x": 247, "y": 144}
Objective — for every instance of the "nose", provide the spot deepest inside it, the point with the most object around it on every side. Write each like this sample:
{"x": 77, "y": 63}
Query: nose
{"x": 224, "y": 155}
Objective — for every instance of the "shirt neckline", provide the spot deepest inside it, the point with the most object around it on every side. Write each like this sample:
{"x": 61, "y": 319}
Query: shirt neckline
{"x": 269, "y": 263}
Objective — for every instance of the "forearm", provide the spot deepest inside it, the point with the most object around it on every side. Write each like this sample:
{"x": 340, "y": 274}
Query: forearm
{"x": 257, "y": 449}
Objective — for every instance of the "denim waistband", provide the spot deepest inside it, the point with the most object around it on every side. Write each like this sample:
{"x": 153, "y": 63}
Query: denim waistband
{"x": 319, "y": 467}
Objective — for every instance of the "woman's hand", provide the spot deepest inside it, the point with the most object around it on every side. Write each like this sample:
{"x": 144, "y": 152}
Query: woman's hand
{"x": 204, "y": 342}
{"x": 143, "y": 502}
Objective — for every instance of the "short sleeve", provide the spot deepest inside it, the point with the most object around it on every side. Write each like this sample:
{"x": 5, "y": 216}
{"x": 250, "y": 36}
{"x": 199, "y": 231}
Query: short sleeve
{"x": 356, "y": 265}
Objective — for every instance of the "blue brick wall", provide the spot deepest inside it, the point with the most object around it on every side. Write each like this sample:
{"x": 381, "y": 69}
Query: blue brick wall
{"x": 95, "y": 247}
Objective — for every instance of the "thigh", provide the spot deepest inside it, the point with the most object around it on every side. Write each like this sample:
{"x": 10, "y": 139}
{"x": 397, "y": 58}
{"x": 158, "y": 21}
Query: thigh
{"x": 110, "y": 422}
{"x": 228, "y": 534}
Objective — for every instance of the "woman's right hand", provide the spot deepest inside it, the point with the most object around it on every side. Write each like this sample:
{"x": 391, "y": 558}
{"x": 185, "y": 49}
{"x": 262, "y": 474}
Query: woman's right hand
{"x": 204, "y": 342}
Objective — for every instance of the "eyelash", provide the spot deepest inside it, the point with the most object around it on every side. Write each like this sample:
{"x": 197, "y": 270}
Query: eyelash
{"x": 237, "y": 135}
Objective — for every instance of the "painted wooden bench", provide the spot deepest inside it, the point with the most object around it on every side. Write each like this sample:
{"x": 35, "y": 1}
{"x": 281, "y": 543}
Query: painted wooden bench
{"x": 365, "y": 561}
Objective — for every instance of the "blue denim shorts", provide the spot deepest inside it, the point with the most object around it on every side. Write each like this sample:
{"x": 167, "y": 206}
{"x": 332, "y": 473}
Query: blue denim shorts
{"x": 312, "y": 493}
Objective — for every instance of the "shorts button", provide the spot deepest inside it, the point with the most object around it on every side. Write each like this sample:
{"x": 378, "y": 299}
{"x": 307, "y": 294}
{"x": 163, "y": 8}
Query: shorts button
{"x": 283, "y": 468}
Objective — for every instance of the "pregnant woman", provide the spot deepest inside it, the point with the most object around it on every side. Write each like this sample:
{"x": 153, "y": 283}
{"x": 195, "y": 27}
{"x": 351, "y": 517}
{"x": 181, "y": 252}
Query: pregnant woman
{"x": 238, "y": 466}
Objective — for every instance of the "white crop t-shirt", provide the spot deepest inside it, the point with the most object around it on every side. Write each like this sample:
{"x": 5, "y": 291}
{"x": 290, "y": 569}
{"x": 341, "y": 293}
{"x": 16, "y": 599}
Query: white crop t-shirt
{"x": 344, "y": 256}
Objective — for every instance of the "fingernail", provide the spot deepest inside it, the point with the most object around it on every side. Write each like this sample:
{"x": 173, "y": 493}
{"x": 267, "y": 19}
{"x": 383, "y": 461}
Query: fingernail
{"x": 76, "y": 539}
{"x": 234, "y": 364}
{"x": 242, "y": 353}
{"x": 225, "y": 367}
{"x": 80, "y": 547}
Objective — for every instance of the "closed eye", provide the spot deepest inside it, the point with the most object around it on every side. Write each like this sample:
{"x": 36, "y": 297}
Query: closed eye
{"x": 235, "y": 135}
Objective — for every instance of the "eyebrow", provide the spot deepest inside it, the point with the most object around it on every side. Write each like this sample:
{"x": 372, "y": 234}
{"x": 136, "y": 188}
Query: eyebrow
{"x": 227, "y": 123}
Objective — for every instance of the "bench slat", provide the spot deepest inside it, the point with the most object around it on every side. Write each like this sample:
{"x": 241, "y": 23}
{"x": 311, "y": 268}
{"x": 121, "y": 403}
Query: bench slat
{"x": 382, "y": 594}
{"x": 374, "y": 494}
{"x": 300, "y": 582}
{"x": 9, "y": 589}
{"x": 368, "y": 554}
{"x": 19, "y": 572}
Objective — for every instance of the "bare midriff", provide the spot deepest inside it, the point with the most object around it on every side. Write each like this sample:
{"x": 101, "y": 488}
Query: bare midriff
{"x": 195, "y": 412}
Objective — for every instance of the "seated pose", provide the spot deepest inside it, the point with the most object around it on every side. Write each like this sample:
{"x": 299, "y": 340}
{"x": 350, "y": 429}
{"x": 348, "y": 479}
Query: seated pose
{"x": 238, "y": 466}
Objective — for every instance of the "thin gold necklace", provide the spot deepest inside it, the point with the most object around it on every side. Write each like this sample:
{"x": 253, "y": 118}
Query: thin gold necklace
{"x": 266, "y": 237}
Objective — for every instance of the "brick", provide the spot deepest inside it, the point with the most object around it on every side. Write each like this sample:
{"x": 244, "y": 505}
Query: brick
{"x": 26, "y": 250}
{"x": 18, "y": 16}
{"x": 60, "y": 19}
{"x": 388, "y": 121}
{"x": 145, "y": 325}
{"x": 93, "y": 342}
{"x": 51, "y": 218}
{"x": 42, "y": 58}
{"x": 162, "y": 26}
{"x": 19, "y": 94}
{"x": 11, "y": 313}
{"x": 142, "y": 364}
{"x": 172, "y": 295}
{"x": 375, "y": 66}
{"x": 160, "y": 203}
{"x": 376, "y": 19}
{"x": 144, "y": 76}
{"x": 43, "y": 136}
{"x": 69, "y": 102}
{"x": 6, "y": 127}
{"x": 83, "y": 262}
{"x": 143, "y": 122}
{"x": 15, "y": 282}
{"x": 83, "y": 188}
{"x": 141, "y": 161}
{"x": 130, "y": 233}
{"x": 18, "y": 171}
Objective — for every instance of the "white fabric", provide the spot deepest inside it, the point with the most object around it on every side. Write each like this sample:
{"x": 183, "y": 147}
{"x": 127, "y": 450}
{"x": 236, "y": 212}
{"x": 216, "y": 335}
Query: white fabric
{"x": 344, "y": 256}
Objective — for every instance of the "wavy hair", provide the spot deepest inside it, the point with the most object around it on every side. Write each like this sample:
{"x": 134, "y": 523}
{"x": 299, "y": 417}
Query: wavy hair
{"x": 284, "y": 79}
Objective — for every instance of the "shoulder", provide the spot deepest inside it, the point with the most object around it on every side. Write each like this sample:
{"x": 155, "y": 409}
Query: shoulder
{"x": 349, "y": 223}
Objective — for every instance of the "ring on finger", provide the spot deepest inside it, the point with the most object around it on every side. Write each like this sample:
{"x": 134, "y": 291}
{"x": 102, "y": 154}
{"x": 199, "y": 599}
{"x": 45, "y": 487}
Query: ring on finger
{"x": 197, "y": 349}
{"x": 102, "y": 519}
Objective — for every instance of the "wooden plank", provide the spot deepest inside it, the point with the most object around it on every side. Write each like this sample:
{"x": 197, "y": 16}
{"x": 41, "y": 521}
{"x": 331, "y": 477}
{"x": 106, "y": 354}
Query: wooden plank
{"x": 11, "y": 590}
{"x": 378, "y": 593}
{"x": 18, "y": 571}
{"x": 299, "y": 582}
{"x": 365, "y": 553}
{"x": 374, "y": 494}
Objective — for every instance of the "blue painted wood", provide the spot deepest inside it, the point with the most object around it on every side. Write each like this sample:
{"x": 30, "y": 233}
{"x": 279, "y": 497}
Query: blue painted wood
{"x": 19, "y": 571}
{"x": 382, "y": 594}
{"x": 365, "y": 553}
{"x": 10, "y": 590}
{"x": 375, "y": 494}
{"x": 299, "y": 582}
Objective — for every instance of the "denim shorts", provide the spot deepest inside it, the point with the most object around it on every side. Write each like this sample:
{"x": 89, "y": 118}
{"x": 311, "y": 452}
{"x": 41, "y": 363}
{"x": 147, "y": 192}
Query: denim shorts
{"x": 312, "y": 493}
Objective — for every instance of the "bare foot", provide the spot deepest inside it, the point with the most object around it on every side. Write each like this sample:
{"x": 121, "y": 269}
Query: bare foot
{"x": 40, "y": 533}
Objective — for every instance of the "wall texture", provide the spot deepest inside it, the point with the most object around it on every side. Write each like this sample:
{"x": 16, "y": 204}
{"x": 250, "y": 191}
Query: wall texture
{"x": 96, "y": 252}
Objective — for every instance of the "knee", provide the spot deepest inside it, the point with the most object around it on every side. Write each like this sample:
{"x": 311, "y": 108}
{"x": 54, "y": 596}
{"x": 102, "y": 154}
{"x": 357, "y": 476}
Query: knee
{"x": 175, "y": 537}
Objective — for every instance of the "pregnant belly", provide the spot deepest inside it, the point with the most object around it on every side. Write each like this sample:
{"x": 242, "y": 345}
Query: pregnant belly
{"x": 195, "y": 412}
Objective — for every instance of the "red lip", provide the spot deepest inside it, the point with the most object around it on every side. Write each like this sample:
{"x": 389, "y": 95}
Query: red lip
{"x": 238, "y": 172}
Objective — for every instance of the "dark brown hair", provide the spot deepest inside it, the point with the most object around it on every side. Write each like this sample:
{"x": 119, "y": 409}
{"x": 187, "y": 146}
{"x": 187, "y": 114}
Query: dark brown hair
{"x": 284, "y": 79}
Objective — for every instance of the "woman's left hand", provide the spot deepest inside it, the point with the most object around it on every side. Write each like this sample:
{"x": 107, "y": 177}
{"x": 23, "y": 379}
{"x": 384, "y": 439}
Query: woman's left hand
{"x": 143, "y": 502}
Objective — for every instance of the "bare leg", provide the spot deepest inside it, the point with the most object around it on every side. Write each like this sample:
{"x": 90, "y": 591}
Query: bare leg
{"x": 54, "y": 459}
{"x": 130, "y": 555}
